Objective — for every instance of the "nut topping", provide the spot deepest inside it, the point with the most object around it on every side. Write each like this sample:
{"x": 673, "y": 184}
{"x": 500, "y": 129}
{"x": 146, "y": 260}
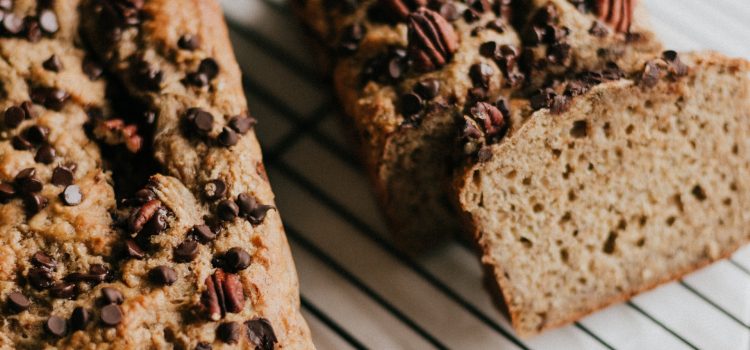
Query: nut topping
{"x": 432, "y": 40}
{"x": 617, "y": 13}
{"x": 223, "y": 294}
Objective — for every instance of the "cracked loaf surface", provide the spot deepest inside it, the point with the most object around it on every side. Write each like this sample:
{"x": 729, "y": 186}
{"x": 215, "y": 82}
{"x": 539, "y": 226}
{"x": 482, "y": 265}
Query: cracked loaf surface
{"x": 408, "y": 72}
{"x": 98, "y": 251}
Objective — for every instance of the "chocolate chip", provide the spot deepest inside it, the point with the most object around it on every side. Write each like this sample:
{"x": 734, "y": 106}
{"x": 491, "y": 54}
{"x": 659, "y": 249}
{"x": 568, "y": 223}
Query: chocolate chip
{"x": 497, "y": 25}
{"x": 480, "y": 74}
{"x": 200, "y": 120}
{"x": 36, "y": 134}
{"x": 51, "y": 98}
{"x": 97, "y": 273}
{"x": 352, "y": 35}
{"x": 188, "y": 42}
{"x": 133, "y": 250}
{"x": 139, "y": 217}
{"x": 12, "y": 24}
{"x": 202, "y": 233}
{"x": 71, "y": 196}
{"x": 260, "y": 332}
{"x": 148, "y": 77}
{"x": 471, "y": 15}
{"x": 411, "y": 104}
{"x": 40, "y": 278}
{"x": 92, "y": 68}
{"x": 62, "y": 176}
{"x": 41, "y": 259}
{"x": 34, "y": 203}
{"x": 33, "y": 31}
{"x": 229, "y": 332}
{"x": 20, "y": 143}
{"x": 214, "y": 189}
{"x": 241, "y": 123}
{"x": 203, "y": 346}
{"x": 6, "y": 192}
{"x": 228, "y": 137}
{"x": 111, "y": 315}
{"x": 18, "y": 302}
{"x": 79, "y": 318}
{"x": 27, "y": 107}
{"x": 236, "y": 259}
{"x": 56, "y": 326}
{"x": 427, "y": 89}
{"x": 155, "y": 225}
{"x": 52, "y": 64}
{"x": 45, "y": 154}
{"x": 197, "y": 79}
{"x": 227, "y": 210}
{"x": 251, "y": 209}
{"x": 187, "y": 251}
{"x": 598, "y": 29}
{"x": 163, "y": 275}
{"x": 48, "y": 21}
{"x": 112, "y": 296}
{"x": 27, "y": 181}
{"x": 13, "y": 116}
{"x": 63, "y": 290}
{"x": 209, "y": 67}
{"x": 488, "y": 49}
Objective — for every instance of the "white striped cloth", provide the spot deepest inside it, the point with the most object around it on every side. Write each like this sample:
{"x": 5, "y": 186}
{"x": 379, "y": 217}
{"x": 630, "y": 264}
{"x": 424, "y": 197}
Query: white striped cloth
{"x": 360, "y": 293}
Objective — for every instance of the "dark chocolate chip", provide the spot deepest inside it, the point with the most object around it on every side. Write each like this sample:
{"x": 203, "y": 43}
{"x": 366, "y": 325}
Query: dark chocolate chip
{"x": 92, "y": 68}
{"x": 133, "y": 250}
{"x": 427, "y": 89}
{"x": 112, "y": 296}
{"x": 488, "y": 49}
{"x": 27, "y": 181}
{"x": 33, "y": 30}
{"x": 56, "y": 326}
{"x": 20, "y": 143}
{"x": 480, "y": 74}
{"x": 34, "y": 203}
{"x": 188, "y": 42}
{"x": 63, "y": 290}
{"x": 111, "y": 315}
{"x": 45, "y": 154}
{"x": 79, "y": 318}
{"x": 209, "y": 67}
{"x": 97, "y": 273}
{"x": 228, "y": 137}
{"x": 471, "y": 15}
{"x": 197, "y": 79}
{"x": 187, "y": 251}
{"x": 6, "y": 192}
{"x": 214, "y": 189}
{"x": 411, "y": 104}
{"x": 48, "y": 21}
{"x": 155, "y": 225}
{"x": 13, "y": 116}
{"x": 163, "y": 275}
{"x": 229, "y": 332}
{"x": 352, "y": 35}
{"x": 203, "y": 346}
{"x": 71, "y": 195}
{"x": 36, "y": 134}
{"x": 62, "y": 176}
{"x": 52, "y": 64}
{"x": 251, "y": 209}
{"x": 236, "y": 259}
{"x": 40, "y": 278}
{"x": 149, "y": 78}
{"x": 241, "y": 123}
{"x": 140, "y": 216}
{"x": 51, "y": 98}
{"x": 42, "y": 259}
{"x": 27, "y": 107}
{"x": 497, "y": 25}
{"x": 202, "y": 233}
{"x": 18, "y": 302}
{"x": 260, "y": 332}
{"x": 227, "y": 210}
{"x": 12, "y": 23}
{"x": 201, "y": 120}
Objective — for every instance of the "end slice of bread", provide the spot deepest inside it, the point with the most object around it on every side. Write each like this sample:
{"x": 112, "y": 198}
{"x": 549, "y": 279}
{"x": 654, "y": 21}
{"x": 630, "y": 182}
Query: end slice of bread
{"x": 630, "y": 188}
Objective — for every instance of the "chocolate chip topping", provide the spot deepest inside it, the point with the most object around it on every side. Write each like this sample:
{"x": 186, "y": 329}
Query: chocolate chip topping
{"x": 63, "y": 290}
{"x": 79, "y": 318}
{"x": 203, "y": 346}
{"x": 202, "y": 233}
{"x": 111, "y": 315}
{"x": 45, "y": 154}
{"x": 188, "y": 42}
{"x": 48, "y": 21}
{"x": 241, "y": 123}
{"x": 480, "y": 74}
{"x": 36, "y": 134}
{"x": 201, "y": 121}
{"x": 229, "y": 332}
{"x": 427, "y": 89}
{"x": 92, "y": 68}
{"x": 41, "y": 259}
{"x": 51, "y": 98}
{"x": 52, "y": 64}
{"x": 411, "y": 104}
{"x": 214, "y": 189}
{"x": 147, "y": 76}
{"x": 350, "y": 38}
{"x": 40, "y": 278}
{"x": 112, "y": 296}
{"x": 62, "y": 176}
{"x": 251, "y": 210}
{"x": 227, "y": 210}
{"x": 12, "y": 24}
{"x": 34, "y": 203}
{"x": 187, "y": 251}
{"x": 56, "y": 326}
{"x": 432, "y": 40}
{"x": 71, "y": 196}
{"x": 236, "y": 259}
{"x": 6, "y": 192}
{"x": 17, "y": 302}
{"x": 163, "y": 275}
{"x": 228, "y": 137}
{"x": 27, "y": 182}
{"x": 133, "y": 250}
{"x": 260, "y": 332}
{"x": 20, "y": 143}
{"x": 209, "y": 67}
{"x": 13, "y": 116}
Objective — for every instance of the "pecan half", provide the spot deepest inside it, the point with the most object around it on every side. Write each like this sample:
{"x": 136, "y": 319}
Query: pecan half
{"x": 116, "y": 132}
{"x": 142, "y": 215}
{"x": 617, "y": 13}
{"x": 224, "y": 294}
{"x": 432, "y": 40}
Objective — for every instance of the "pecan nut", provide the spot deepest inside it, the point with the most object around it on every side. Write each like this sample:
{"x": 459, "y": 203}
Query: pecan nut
{"x": 432, "y": 40}
{"x": 617, "y": 13}
{"x": 116, "y": 132}
{"x": 140, "y": 216}
{"x": 224, "y": 294}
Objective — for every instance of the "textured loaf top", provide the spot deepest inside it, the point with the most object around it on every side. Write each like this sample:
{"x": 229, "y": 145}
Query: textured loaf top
{"x": 197, "y": 258}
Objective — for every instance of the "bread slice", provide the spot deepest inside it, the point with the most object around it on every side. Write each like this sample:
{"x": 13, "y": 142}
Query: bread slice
{"x": 632, "y": 187}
